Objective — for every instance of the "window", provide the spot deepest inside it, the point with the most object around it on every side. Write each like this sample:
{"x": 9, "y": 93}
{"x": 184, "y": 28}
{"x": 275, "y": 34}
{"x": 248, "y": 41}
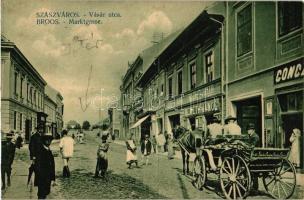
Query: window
{"x": 27, "y": 91}
{"x": 15, "y": 82}
{"x": 180, "y": 82}
{"x": 21, "y": 87}
{"x": 35, "y": 97}
{"x": 170, "y": 94}
{"x": 20, "y": 119}
{"x": 162, "y": 89}
{"x": 290, "y": 16}
{"x": 31, "y": 94}
{"x": 209, "y": 67}
{"x": 291, "y": 101}
{"x": 15, "y": 120}
{"x": 244, "y": 31}
{"x": 192, "y": 75}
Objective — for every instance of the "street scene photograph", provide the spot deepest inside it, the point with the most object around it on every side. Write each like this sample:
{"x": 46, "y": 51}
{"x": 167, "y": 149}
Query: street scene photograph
{"x": 152, "y": 99}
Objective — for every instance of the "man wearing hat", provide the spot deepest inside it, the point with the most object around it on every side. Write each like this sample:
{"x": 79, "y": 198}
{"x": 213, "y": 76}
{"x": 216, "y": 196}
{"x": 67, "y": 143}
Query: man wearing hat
{"x": 45, "y": 167}
{"x": 215, "y": 128}
{"x": 7, "y": 157}
{"x": 35, "y": 143}
{"x": 146, "y": 148}
{"x": 254, "y": 138}
{"x": 231, "y": 127}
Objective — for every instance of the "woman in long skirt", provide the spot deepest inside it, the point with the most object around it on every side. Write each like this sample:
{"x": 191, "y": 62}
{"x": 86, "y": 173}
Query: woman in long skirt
{"x": 295, "y": 147}
{"x": 131, "y": 152}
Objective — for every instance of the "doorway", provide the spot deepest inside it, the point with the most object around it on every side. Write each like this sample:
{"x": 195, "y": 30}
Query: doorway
{"x": 250, "y": 111}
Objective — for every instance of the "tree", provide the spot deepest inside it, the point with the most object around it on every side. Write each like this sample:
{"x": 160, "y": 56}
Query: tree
{"x": 86, "y": 125}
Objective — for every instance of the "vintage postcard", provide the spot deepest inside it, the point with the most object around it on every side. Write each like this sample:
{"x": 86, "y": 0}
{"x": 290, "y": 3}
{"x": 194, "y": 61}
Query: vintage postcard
{"x": 152, "y": 99}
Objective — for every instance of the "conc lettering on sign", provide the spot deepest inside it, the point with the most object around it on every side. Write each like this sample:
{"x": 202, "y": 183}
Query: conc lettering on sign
{"x": 289, "y": 71}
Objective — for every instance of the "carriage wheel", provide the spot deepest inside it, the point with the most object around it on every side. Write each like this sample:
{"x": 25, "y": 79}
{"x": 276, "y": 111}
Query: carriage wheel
{"x": 199, "y": 173}
{"x": 235, "y": 178}
{"x": 281, "y": 182}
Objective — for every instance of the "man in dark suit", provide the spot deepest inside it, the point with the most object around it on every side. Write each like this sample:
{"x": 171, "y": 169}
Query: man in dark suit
{"x": 35, "y": 146}
{"x": 7, "y": 157}
{"x": 45, "y": 167}
{"x": 146, "y": 147}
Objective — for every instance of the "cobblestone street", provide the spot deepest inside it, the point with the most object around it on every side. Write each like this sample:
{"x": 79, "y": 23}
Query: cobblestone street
{"x": 162, "y": 179}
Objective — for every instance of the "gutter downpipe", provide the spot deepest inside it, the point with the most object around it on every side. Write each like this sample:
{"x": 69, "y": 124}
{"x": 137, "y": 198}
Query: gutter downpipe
{"x": 222, "y": 67}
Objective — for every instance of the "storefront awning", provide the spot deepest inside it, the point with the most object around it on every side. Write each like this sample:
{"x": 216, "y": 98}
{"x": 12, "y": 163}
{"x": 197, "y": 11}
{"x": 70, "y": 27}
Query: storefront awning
{"x": 141, "y": 120}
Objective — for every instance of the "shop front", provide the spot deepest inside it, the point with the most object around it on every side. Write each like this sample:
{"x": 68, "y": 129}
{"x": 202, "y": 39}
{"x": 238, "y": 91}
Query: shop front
{"x": 289, "y": 92}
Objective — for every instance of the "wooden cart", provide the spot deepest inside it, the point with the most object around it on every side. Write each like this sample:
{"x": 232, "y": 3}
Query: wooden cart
{"x": 237, "y": 164}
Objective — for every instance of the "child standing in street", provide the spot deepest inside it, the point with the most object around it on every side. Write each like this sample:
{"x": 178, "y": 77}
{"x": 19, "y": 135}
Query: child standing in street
{"x": 102, "y": 158}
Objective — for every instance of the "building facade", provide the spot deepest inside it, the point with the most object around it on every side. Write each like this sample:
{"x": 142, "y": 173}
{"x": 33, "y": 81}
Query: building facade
{"x": 54, "y": 109}
{"x": 22, "y": 97}
{"x": 236, "y": 58}
{"x": 50, "y": 110}
{"x": 265, "y": 69}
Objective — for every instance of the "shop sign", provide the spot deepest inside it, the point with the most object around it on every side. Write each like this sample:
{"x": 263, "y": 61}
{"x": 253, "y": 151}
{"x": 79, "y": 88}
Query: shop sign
{"x": 290, "y": 71}
{"x": 209, "y": 106}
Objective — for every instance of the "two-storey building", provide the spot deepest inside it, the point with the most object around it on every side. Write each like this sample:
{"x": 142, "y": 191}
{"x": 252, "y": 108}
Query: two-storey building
{"x": 22, "y": 95}
{"x": 265, "y": 68}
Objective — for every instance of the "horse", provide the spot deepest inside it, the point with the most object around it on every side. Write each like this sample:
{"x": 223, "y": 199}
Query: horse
{"x": 188, "y": 141}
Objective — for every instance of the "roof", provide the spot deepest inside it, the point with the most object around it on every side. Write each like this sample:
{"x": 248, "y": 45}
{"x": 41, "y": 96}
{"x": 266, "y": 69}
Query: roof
{"x": 52, "y": 93}
{"x": 150, "y": 54}
{"x": 7, "y": 44}
{"x": 198, "y": 30}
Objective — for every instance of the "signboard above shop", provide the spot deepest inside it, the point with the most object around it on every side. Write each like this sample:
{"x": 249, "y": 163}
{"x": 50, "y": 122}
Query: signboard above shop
{"x": 290, "y": 71}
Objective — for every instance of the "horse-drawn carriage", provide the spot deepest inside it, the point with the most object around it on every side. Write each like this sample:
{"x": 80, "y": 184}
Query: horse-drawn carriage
{"x": 238, "y": 163}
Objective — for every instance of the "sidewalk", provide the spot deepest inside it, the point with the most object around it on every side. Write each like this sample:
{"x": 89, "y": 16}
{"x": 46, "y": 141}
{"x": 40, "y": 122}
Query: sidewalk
{"x": 19, "y": 188}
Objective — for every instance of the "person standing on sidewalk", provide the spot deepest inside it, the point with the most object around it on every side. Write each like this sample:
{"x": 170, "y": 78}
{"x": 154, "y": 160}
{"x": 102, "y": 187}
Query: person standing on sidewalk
{"x": 161, "y": 140}
{"x": 45, "y": 167}
{"x": 7, "y": 158}
{"x": 66, "y": 146}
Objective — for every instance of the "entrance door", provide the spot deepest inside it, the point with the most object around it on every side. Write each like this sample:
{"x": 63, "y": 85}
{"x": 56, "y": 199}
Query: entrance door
{"x": 250, "y": 111}
{"x": 28, "y": 128}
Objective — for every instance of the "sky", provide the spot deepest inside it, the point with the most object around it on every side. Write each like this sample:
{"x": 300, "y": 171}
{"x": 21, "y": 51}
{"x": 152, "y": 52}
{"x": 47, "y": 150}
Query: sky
{"x": 87, "y": 62}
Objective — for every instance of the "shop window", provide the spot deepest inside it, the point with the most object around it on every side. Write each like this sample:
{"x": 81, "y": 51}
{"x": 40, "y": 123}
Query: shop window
{"x": 291, "y": 102}
{"x": 192, "y": 75}
{"x": 289, "y": 16}
{"x": 180, "y": 82}
{"x": 170, "y": 92}
{"x": 209, "y": 67}
{"x": 244, "y": 30}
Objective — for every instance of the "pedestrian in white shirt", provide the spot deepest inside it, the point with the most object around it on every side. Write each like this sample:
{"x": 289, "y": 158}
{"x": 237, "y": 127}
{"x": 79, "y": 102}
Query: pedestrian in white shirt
{"x": 231, "y": 127}
{"x": 66, "y": 146}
